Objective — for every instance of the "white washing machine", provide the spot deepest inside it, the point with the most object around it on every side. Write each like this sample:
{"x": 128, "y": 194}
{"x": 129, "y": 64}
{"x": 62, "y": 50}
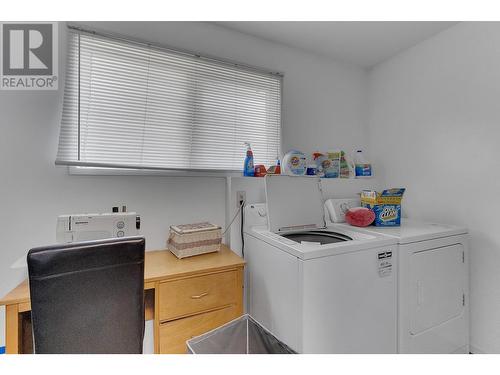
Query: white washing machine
{"x": 319, "y": 289}
{"x": 433, "y": 286}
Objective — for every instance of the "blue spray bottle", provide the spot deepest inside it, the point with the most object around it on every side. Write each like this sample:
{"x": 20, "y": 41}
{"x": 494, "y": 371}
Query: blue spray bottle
{"x": 248, "y": 164}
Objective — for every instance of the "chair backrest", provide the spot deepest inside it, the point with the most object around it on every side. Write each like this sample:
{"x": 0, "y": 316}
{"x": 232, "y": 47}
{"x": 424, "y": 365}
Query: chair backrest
{"x": 88, "y": 297}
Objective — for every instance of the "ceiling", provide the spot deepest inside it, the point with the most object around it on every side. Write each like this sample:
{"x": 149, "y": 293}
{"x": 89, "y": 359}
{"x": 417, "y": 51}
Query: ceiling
{"x": 361, "y": 43}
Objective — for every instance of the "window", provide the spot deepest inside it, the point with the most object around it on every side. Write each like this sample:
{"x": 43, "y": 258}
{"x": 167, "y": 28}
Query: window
{"x": 132, "y": 105}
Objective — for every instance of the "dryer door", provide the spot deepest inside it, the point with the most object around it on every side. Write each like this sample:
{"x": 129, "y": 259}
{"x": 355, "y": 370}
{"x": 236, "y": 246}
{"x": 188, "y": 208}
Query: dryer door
{"x": 436, "y": 287}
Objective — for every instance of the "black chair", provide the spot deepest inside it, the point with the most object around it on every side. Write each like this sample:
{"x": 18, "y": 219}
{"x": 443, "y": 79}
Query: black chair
{"x": 88, "y": 297}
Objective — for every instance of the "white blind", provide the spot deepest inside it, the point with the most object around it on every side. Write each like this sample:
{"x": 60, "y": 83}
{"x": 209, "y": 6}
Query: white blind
{"x": 128, "y": 104}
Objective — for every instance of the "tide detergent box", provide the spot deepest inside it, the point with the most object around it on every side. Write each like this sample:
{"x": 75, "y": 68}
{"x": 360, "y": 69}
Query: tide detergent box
{"x": 386, "y": 205}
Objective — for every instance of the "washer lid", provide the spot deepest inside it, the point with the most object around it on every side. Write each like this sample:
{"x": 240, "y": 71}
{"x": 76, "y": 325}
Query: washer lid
{"x": 294, "y": 202}
{"x": 412, "y": 231}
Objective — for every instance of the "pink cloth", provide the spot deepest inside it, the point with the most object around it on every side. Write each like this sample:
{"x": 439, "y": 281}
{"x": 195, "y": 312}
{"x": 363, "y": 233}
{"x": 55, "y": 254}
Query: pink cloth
{"x": 360, "y": 216}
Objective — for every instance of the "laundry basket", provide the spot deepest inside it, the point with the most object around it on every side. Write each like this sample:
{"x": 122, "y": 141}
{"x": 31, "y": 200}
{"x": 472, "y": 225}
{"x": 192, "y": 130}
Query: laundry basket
{"x": 240, "y": 336}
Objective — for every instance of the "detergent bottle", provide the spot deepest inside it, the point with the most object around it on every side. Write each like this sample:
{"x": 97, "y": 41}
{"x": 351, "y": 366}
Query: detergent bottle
{"x": 278, "y": 166}
{"x": 248, "y": 170}
{"x": 363, "y": 168}
{"x": 351, "y": 165}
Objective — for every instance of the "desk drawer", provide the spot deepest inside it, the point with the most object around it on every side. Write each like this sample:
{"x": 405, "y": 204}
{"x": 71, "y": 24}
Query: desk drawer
{"x": 174, "y": 334}
{"x": 190, "y": 296}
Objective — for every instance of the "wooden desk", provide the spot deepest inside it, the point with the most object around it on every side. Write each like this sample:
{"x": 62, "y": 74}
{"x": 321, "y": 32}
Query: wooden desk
{"x": 185, "y": 298}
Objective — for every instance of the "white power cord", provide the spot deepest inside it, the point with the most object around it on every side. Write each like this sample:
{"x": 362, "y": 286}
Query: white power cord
{"x": 234, "y": 218}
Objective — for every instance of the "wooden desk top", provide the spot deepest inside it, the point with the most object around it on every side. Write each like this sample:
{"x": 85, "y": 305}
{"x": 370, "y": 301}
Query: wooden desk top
{"x": 163, "y": 265}
{"x": 158, "y": 265}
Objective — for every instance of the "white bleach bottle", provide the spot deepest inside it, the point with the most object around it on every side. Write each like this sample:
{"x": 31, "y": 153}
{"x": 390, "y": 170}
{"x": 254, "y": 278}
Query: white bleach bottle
{"x": 363, "y": 168}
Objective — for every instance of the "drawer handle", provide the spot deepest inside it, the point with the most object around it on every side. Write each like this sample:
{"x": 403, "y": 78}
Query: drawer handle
{"x": 200, "y": 295}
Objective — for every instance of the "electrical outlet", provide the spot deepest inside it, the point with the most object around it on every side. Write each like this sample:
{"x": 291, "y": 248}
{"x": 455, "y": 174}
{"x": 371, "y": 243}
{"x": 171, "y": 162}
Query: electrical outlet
{"x": 240, "y": 196}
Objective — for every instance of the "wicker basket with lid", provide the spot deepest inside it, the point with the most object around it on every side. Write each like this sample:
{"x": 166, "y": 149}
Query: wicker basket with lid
{"x": 187, "y": 240}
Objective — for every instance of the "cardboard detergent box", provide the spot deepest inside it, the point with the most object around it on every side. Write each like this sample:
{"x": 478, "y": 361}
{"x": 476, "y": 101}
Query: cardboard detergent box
{"x": 386, "y": 205}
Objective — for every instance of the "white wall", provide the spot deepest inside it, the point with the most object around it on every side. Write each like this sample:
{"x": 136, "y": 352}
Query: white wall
{"x": 318, "y": 94}
{"x": 434, "y": 128}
